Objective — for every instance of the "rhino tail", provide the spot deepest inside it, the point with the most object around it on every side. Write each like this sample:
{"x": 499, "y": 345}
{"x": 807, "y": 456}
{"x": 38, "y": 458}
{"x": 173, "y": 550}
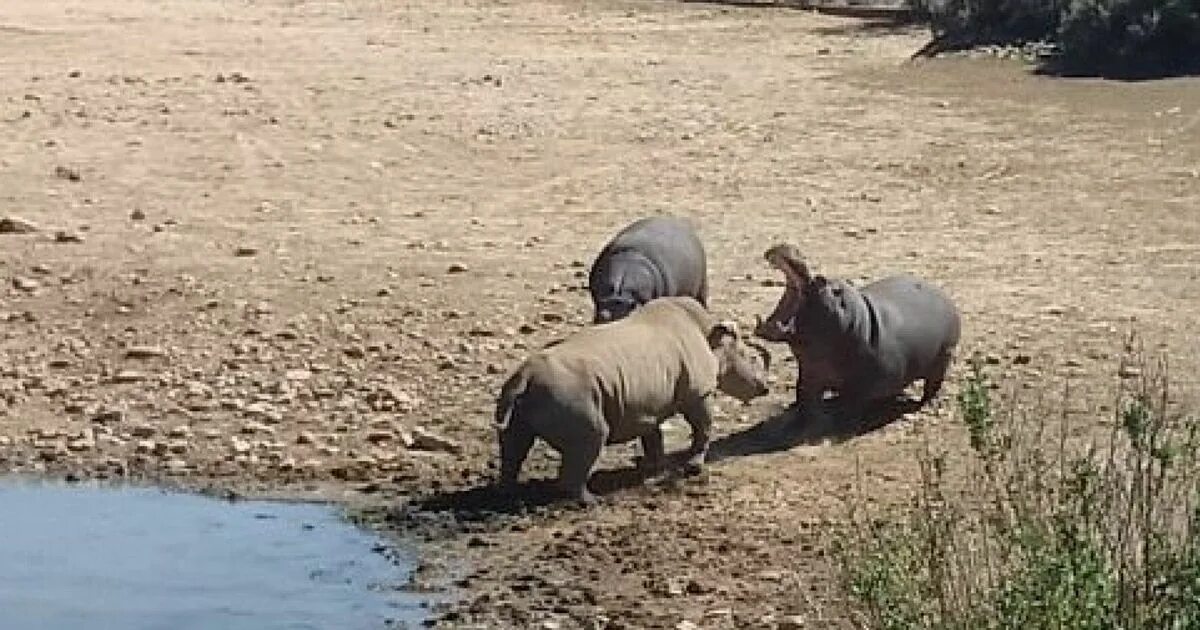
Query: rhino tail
{"x": 510, "y": 393}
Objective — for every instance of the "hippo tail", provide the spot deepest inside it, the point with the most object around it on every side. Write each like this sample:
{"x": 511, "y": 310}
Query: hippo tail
{"x": 510, "y": 394}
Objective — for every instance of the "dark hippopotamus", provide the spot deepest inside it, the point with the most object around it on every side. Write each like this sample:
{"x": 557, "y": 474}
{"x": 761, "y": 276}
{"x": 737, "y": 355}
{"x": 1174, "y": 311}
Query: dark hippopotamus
{"x": 869, "y": 343}
{"x": 653, "y": 257}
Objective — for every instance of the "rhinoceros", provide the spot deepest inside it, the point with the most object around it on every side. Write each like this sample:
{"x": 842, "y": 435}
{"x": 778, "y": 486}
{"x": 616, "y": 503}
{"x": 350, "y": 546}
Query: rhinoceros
{"x": 615, "y": 382}
{"x": 868, "y": 344}
{"x": 658, "y": 256}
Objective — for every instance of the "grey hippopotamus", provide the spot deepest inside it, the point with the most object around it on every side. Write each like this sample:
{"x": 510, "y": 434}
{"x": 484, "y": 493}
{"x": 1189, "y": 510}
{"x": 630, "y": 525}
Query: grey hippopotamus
{"x": 867, "y": 344}
{"x": 616, "y": 382}
{"x": 653, "y": 257}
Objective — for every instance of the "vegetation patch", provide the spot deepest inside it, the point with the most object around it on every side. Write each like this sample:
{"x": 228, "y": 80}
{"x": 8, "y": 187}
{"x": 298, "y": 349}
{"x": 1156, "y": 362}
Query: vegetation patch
{"x": 1124, "y": 38}
{"x": 1038, "y": 527}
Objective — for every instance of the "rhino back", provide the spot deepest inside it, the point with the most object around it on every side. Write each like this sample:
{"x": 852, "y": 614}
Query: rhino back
{"x": 639, "y": 366}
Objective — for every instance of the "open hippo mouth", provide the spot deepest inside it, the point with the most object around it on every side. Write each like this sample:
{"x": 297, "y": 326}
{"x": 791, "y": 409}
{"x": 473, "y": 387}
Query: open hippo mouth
{"x": 781, "y": 324}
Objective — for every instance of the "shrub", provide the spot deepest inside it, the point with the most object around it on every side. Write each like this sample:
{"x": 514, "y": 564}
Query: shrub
{"x": 1038, "y": 528}
{"x": 1110, "y": 36}
{"x": 1131, "y": 36}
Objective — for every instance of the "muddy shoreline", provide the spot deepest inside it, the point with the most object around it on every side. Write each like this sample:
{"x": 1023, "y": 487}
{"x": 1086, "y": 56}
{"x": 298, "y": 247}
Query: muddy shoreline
{"x": 293, "y": 249}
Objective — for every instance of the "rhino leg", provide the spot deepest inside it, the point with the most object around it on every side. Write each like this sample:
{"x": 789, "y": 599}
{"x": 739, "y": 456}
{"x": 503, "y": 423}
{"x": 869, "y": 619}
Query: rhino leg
{"x": 578, "y": 460}
{"x": 653, "y": 451}
{"x": 935, "y": 377}
{"x": 515, "y": 441}
{"x": 699, "y": 415}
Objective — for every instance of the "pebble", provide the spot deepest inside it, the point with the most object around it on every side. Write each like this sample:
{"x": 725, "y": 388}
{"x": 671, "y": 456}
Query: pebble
{"x": 792, "y": 622}
{"x": 180, "y": 432}
{"x": 81, "y": 444}
{"x": 457, "y": 268}
{"x": 244, "y": 251}
{"x": 297, "y": 375}
{"x": 67, "y": 173}
{"x": 144, "y": 352}
{"x": 1128, "y": 372}
{"x": 129, "y": 376}
{"x": 142, "y": 431}
{"x": 16, "y": 225}
{"x": 28, "y": 285}
{"x": 306, "y": 437}
{"x": 376, "y": 437}
{"x": 145, "y": 446}
{"x": 66, "y": 236}
{"x": 425, "y": 440}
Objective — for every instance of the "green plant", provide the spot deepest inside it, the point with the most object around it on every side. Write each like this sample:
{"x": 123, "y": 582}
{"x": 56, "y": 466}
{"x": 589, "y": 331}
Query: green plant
{"x": 1115, "y": 36}
{"x": 1039, "y": 523}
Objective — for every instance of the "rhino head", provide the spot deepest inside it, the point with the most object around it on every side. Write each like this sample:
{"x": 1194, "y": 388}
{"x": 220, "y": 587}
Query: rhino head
{"x": 739, "y": 373}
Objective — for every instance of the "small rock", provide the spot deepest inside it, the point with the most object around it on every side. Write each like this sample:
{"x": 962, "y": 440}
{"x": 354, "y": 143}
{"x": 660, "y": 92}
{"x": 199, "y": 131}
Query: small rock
{"x": 1055, "y": 310}
{"x": 80, "y": 444}
{"x": 67, "y": 173}
{"x": 5, "y": 440}
{"x": 244, "y": 251}
{"x": 180, "y": 432}
{"x": 144, "y": 352}
{"x": 240, "y": 447}
{"x": 66, "y": 236}
{"x": 305, "y": 437}
{"x": 1128, "y": 372}
{"x": 28, "y": 285}
{"x": 425, "y": 440}
{"x": 108, "y": 416}
{"x": 137, "y": 215}
{"x": 129, "y": 376}
{"x": 177, "y": 446}
{"x": 456, "y": 268}
{"x": 145, "y": 446}
{"x": 378, "y": 437}
{"x": 792, "y": 622}
{"x": 1022, "y": 359}
{"x": 16, "y": 225}
{"x": 142, "y": 430}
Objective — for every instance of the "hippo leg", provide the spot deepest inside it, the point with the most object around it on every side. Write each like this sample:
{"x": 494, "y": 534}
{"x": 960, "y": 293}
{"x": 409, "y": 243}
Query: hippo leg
{"x": 515, "y": 441}
{"x": 698, "y": 414}
{"x": 578, "y": 460}
{"x": 935, "y": 377}
{"x": 653, "y": 451}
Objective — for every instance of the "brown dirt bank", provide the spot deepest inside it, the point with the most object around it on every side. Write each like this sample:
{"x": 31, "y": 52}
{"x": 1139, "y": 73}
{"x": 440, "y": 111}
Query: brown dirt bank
{"x": 261, "y": 205}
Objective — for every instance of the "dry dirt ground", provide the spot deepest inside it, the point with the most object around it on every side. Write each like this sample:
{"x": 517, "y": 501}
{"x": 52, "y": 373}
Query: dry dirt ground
{"x": 293, "y": 247}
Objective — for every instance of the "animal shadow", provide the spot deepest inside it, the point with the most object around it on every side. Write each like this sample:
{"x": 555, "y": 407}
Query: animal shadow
{"x": 487, "y": 501}
{"x": 786, "y": 429}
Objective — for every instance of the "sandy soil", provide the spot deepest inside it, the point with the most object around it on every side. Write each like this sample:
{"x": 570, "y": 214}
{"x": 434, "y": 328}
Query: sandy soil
{"x": 290, "y": 246}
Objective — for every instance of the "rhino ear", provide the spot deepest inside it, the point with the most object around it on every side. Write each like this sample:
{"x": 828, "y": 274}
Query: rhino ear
{"x": 721, "y": 332}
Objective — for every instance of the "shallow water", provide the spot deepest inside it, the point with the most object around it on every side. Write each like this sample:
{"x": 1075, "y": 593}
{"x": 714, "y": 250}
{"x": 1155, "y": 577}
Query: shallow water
{"x": 100, "y": 558}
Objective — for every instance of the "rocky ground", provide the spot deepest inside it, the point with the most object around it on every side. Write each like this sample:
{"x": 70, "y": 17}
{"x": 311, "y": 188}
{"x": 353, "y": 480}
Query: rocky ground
{"x": 294, "y": 247}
